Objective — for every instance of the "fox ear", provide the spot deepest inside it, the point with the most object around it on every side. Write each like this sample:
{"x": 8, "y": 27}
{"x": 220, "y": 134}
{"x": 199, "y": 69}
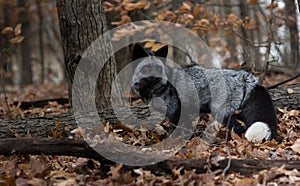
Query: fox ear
{"x": 138, "y": 52}
{"x": 162, "y": 52}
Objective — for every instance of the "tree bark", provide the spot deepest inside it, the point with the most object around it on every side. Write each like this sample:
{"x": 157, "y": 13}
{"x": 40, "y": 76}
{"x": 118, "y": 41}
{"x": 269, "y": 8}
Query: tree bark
{"x": 26, "y": 71}
{"x": 291, "y": 18}
{"x": 81, "y": 23}
{"x": 247, "y": 50}
{"x": 5, "y": 61}
{"x": 44, "y": 126}
{"x": 286, "y": 97}
{"x": 41, "y": 39}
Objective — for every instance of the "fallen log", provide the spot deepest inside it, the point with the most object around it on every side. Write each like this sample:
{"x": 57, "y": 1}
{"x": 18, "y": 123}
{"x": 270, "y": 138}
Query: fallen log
{"x": 286, "y": 97}
{"x": 78, "y": 147}
{"x": 283, "y": 97}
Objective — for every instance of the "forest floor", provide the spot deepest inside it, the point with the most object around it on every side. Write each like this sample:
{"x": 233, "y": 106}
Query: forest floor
{"x": 64, "y": 170}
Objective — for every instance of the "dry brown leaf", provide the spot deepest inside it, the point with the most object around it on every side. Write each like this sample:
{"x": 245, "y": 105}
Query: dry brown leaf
{"x": 250, "y": 25}
{"x": 252, "y": 2}
{"x": 130, "y": 6}
{"x": 296, "y": 146}
{"x": 147, "y": 6}
{"x": 272, "y": 143}
{"x": 160, "y": 17}
{"x": 140, "y": 5}
{"x": 37, "y": 181}
{"x": 246, "y": 182}
{"x": 294, "y": 113}
{"x": 61, "y": 174}
{"x": 157, "y": 46}
{"x": 115, "y": 171}
{"x": 125, "y": 2}
{"x": 17, "y": 39}
{"x": 197, "y": 10}
{"x": 38, "y": 166}
{"x": 24, "y": 166}
{"x": 256, "y": 153}
{"x": 8, "y": 167}
{"x": 232, "y": 17}
{"x": 125, "y": 19}
{"x": 186, "y": 5}
{"x": 7, "y": 30}
{"x": 133, "y": 6}
{"x": 108, "y": 6}
{"x": 18, "y": 29}
{"x": 149, "y": 44}
{"x": 57, "y": 133}
{"x": 275, "y": 5}
{"x": 203, "y": 22}
{"x": 236, "y": 137}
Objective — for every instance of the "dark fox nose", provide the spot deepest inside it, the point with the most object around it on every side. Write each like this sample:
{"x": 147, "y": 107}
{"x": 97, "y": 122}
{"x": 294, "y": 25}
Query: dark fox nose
{"x": 148, "y": 81}
{"x": 154, "y": 79}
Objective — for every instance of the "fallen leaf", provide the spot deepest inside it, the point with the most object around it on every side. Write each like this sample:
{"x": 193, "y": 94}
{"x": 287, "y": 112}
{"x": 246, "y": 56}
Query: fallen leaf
{"x": 37, "y": 182}
{"x": 252, "y": 2}
{"x": 203, "y": 22}
{"x": 108, "y": 6}
{"x": 296, "y": 146}
{"x": 246, "y": 181}
{"x": 157, "y": 46}
{"x": 61, "y": 174}
{"x": 114, "y": 171}
{"x": 294, "y": 113}
{"x": 125, "y": 19}
{"x": 24, "y": 166}
{"x": 187, "y": 6}
{"x": 133, "y": 6}
{"x": 7, "y": 180}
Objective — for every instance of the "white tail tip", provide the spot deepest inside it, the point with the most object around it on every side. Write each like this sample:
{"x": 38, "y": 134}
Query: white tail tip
{"x": 257, "y": 132}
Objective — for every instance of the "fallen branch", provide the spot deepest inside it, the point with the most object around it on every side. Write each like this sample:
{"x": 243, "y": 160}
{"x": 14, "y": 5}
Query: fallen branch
{"x": 36, "y": 146}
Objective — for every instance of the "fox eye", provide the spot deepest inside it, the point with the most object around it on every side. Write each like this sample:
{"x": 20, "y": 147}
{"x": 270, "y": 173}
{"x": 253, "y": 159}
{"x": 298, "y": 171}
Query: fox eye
{"x": 145, "y": 69}
{"x": 158, "y": 69}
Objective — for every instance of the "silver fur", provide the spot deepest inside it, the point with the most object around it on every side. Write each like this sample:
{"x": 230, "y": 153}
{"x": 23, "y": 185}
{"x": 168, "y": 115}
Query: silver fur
{"x": 224, "y": 91}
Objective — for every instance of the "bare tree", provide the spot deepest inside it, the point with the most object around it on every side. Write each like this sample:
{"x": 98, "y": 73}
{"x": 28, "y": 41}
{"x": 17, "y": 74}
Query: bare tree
{"x": 5, "y": 61}
{"x": 291, "y": 18}
{"x": 41, "y": 39}
{"x": 26, "y": 71}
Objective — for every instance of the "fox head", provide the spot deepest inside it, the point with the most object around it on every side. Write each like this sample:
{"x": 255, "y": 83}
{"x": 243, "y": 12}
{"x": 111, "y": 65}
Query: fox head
{"x": 150, "y": 72}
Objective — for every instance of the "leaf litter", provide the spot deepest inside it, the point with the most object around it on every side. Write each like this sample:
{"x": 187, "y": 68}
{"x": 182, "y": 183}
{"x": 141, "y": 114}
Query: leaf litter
{"x": 62, "y": 170}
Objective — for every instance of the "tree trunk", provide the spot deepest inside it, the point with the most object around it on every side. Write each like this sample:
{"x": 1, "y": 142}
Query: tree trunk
{"x": 41, "y": 39}
{"x": 230, "y": 40}
{"x": 81, "y": 23}
{"x": 5, "y": 61}
{"x": 291, "y": 18}
{"x": 247, "y": 50}
{"x": 26, "y": 71}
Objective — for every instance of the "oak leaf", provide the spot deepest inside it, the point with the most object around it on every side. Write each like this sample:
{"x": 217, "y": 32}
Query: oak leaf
{"x": 17, "y": 39}
{"x": 7, "y": 30}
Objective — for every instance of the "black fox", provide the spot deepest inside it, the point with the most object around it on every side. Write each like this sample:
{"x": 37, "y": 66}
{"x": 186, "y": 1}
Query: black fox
{"x": 152, "y": 78}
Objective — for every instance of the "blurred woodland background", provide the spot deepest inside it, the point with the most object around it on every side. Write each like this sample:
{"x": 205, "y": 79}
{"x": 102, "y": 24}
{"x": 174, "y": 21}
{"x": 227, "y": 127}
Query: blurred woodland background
{"x": 37, "y": 65}
{"x": 258, "y": 35}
